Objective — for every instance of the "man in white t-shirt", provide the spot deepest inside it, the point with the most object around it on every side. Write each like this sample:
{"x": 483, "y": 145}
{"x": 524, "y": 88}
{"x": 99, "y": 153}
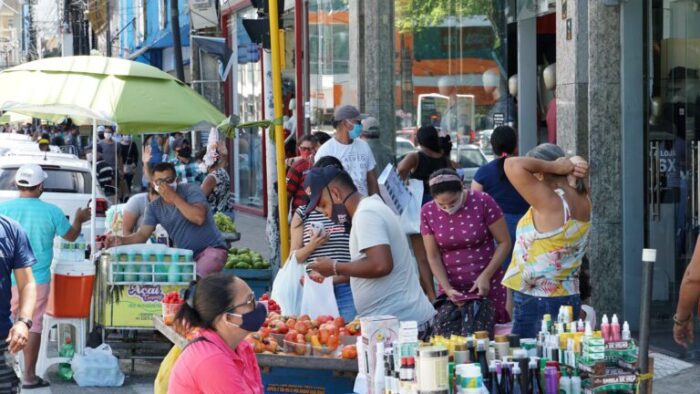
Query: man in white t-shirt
{"x": 383, "y": 272}
{"x": 347, "y": 146}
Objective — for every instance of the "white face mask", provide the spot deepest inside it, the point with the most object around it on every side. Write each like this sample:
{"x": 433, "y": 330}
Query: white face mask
{"x": 108, "y": 135}
{"x": 453, "y": 209}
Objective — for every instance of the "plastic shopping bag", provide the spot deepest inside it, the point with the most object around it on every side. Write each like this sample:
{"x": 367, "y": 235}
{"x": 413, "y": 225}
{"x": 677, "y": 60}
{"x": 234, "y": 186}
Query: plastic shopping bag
{"x": 286, "y": 289}
{"x": 410, "y": 217}
{"x": 97, "y": 367}
{"x": 319, "y": 298}
{"x": 166, "y": 366}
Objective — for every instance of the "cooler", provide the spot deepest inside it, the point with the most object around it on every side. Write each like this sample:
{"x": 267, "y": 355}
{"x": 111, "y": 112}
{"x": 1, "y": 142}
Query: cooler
{"x": 71, "y": 289}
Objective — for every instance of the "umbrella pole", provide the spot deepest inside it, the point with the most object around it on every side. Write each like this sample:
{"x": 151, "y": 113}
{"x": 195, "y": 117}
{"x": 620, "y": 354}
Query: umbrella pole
{"x": 93, "y": 206}
{"x": 279, "y": 131}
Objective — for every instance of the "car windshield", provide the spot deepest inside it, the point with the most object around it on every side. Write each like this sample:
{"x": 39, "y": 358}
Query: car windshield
{"x": 468, "y": 158}
{"x": 58, "y": 181}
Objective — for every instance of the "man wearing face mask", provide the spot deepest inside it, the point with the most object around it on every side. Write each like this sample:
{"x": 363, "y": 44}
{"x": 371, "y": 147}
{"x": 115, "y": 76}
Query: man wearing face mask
{"x": 383, "y": 273}
{"x": 183, "y": 211}
{"x": 42, "y": 222}
{"x": 129, "y": 157}
{"x": 347, "y": 146}
{"x": 104, "y": 173}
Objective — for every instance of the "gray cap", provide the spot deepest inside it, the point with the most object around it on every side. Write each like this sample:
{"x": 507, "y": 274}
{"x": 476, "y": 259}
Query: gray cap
{"x": 370, "y": 125}
{"x": 345, "y": 112}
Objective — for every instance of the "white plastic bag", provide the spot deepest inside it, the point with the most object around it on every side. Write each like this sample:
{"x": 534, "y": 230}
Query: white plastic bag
{"x": 97, "y": 367}
{"x": 319, "y": 298}
{"x": 410, "y": 217}
{"x": 286, "y": 289}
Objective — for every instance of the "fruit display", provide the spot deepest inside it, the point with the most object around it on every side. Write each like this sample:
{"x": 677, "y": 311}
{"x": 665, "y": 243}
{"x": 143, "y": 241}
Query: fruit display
{"x": 303, "y": 336}
{"x": 224, "y": 223}
{"x": 172, "y": 302}
{"x": 245, "y": 258}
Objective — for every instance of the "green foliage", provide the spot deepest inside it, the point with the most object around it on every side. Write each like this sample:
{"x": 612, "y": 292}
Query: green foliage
{"x": 412, "y": 15}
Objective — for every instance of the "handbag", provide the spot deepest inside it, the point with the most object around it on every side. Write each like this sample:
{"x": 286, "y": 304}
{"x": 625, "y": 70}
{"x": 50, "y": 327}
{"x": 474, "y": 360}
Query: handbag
{"x": 473, "y": 315}
{"x": 318, "y": 298}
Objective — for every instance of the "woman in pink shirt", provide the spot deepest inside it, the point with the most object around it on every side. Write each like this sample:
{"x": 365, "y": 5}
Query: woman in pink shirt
{"x": 219, "y": 361}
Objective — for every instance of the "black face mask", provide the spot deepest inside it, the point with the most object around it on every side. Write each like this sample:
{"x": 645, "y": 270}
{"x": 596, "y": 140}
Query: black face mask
{"x": 339, "y": 214}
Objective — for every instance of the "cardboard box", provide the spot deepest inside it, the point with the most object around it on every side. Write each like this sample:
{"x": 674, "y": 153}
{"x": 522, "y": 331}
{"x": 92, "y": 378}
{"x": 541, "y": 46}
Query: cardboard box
{"x": 377, "y": 329}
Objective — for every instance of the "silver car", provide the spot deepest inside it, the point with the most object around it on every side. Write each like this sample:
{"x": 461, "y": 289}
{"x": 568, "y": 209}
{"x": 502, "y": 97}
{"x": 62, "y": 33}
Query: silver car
{"x": 468, "y": 158}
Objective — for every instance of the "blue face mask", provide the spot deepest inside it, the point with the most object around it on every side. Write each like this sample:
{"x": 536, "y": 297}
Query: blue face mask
{"x": 356, "y": 131}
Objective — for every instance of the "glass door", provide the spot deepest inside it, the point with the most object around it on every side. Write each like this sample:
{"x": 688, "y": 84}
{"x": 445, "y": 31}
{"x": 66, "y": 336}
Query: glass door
{"x": 673, "y": 135}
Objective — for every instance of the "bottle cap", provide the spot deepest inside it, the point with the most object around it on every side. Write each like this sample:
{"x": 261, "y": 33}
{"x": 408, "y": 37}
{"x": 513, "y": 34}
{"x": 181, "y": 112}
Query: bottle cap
{"x": 614, "y": 319}
{"x": 514, "y": 340}
{"x": 625, "y": 326}
{"x": 501, "y": 338}
{"x": 69, "y": 340}
{"x": 605, "y": 319}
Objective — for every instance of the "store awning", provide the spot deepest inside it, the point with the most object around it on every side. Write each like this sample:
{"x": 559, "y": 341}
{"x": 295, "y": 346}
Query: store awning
{"x": 213, "y": 45}
{"x": 163, "y": 39}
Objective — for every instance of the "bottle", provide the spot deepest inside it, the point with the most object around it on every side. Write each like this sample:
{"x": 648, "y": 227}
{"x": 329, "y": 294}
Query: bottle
{"x": 588, "y": 331}
{"x": 605, "y": 328}
{"x": 575, "y": 382}
{"x": 513, "y": 343}
{"x": 481, "y": 359}
{"x": 494, "y": 378}
{"x": 533, "y": 384}
{"x": 626, "y": 334}
{"x": 388, "y": 377}
{"x": 580, "y": 326}
{"x": 378, "y": 378}
{"x": 551, "y": 380}
{"x": 67, "y": 351}
{"x": 471, "y": 349}
{"x": 516, "y": 387}
{"x": 80, "y": 247}
{"x": 615, "y": 329}
{"x": 461, "y": 356}
{"x": 564, "y": 382}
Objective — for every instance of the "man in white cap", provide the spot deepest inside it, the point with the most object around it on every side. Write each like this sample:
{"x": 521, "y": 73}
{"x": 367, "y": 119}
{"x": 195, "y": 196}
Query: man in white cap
{"x": 382, "y": 153}
{"x": 347, "y": 146}
{"x": 41, "y": 221}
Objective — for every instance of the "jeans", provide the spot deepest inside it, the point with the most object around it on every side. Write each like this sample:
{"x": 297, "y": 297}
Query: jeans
{"x": 343, "y": 297}
{"x": 529, "y": 310}
{"x": 512, "y": 220}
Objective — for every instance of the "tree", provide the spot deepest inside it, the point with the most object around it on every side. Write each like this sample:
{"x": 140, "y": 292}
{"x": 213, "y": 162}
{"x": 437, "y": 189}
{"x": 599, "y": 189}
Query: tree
{"x": 413, "y": 15}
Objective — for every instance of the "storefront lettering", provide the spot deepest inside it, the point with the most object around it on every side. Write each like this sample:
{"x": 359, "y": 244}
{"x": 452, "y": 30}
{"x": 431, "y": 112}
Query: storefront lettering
{"x": 146, "y": 293}
{"x": 667, "y": 161}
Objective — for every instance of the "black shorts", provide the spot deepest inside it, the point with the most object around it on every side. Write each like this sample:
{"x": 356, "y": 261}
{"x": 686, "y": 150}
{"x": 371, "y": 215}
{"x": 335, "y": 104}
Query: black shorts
{"x": 9, "y": 371}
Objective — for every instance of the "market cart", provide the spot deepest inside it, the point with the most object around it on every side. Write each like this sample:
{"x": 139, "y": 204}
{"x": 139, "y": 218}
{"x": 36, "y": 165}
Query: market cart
{"x": 283, "y": 373}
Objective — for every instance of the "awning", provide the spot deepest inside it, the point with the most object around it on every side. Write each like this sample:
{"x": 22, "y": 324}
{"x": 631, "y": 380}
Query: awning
{"x": 164, "y": 39}
{"x": 213, "y": 45}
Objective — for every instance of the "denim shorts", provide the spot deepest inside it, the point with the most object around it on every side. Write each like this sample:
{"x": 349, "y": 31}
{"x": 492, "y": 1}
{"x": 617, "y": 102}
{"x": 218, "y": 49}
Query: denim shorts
{"x": 346, "y": 305}
{"x": 529, "y": 310}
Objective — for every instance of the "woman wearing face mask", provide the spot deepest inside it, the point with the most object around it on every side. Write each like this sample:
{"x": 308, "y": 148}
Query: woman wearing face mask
{"x": 419, "y": 165}
{"x": 314, "y": 235}
{"x": 297, "y": 171}
{"x": 459, "y": 228}
{"x": 220, "y": 360}
{"x": 551, "y": 238}
{"x": 217, "y": 185}
{"x": 129, "y": 157}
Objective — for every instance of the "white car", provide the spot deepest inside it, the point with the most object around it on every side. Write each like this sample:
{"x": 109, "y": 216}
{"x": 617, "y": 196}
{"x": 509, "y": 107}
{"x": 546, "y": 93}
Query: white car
{"x": 403, "y": 147}
{"x": 469, "y": 158}
{"x": 69, "y": 183}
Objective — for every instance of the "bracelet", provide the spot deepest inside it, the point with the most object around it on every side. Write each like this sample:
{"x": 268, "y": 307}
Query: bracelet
{"x": 335, "y": 268}
{"x": 681, "y": 322}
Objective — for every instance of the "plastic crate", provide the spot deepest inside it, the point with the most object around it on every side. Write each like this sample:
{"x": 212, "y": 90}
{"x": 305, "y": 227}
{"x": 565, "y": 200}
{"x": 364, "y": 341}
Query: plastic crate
{"x": 259, "y": 280}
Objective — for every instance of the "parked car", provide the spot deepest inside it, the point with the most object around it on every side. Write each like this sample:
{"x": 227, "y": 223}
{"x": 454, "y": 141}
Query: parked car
{"x": 69, "y": 183}
{"x": 469, "y": 158}
{"x": 403, "y": 147}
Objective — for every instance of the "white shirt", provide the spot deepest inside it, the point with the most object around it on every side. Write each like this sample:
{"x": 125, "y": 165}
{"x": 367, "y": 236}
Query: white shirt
{"x": 357, "y": 159}
{"x": 399, "y": 293}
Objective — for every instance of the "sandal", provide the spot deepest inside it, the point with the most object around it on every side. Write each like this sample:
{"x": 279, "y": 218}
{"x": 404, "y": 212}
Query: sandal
{"x": 39, "y": 384}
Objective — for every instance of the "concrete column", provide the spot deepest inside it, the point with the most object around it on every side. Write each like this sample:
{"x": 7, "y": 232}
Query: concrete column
{"x": 605, "y": 155}
{"x": 527, "y": 84}
{"x": 572, "y": 77}
{"x": 378, "y": 84}
{"x": 357, "y": 50}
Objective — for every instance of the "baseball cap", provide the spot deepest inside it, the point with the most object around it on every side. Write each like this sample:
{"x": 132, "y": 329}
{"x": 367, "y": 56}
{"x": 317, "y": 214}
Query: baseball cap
{"x": 100, "y": 128}
{"x": 315, "y": 181}
{"x": 30, "y": 175}
{"x": 43, "y": 141}
{"x": 345, "y": 112}
{"x": 370, "y": 125}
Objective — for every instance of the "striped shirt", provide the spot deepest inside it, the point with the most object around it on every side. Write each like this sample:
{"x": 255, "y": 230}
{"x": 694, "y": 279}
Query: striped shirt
{"x": 105, "y": 177}
{"x": 338, "y": 245}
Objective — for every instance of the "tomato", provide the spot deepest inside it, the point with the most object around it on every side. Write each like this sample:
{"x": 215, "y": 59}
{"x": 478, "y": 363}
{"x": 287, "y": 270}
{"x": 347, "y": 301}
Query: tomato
{"x": 349, "y": 352}
{"x": 339, "y": 322}
{"x": 324, "y": 334}
{"x": 333, "y": 342}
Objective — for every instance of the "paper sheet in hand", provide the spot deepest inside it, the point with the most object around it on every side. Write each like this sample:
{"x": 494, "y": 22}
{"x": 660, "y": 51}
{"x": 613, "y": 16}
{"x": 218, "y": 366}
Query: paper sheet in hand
{"x": 393, "y": 191}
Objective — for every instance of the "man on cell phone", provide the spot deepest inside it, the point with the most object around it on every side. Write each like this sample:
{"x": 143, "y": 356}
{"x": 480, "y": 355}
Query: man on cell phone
{"x": 42, "y": 222}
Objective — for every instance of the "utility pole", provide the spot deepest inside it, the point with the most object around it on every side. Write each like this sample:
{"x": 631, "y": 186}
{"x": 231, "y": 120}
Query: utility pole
{"x": 108, "y": 33}
{"x": 177, "y": 45}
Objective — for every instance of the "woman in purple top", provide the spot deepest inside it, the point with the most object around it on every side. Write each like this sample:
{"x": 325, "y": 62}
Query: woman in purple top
{"x": 459, "y": 228}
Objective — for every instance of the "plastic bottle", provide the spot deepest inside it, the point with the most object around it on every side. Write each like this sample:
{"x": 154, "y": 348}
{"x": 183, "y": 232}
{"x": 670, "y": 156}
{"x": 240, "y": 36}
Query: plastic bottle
{"x": 626, "y": 334}
{"x": 481, "y": 359}
{"x": 68, "y": 351}
{"x": 551, "y": 380}
{"x": 494, "y": 378}
{"x": 534, "y": 386}
{"x": 80, "y": 246}
{"x": 605, "y": 328}
{"x": 516, "y": 388}
{"x": 564, "y": 383}
{"x": 615, "y": 329}
{"x": 575, "y": 383}
{"x": 378, "y": 377}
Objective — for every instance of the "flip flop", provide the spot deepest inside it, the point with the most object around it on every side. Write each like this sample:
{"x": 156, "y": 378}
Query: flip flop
{"x": 39, "y": 384}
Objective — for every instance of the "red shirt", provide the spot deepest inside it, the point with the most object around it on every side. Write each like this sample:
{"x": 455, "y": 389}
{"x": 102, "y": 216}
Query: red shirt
{"x": 211, "y": 366}
{"x": 295, "y": 183}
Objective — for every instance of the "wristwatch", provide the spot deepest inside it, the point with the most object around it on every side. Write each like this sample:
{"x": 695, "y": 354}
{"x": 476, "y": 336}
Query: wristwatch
{"x": 26, "y": 322}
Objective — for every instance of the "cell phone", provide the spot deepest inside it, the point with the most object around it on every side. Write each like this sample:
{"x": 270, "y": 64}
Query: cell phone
{"x": 317, "y": 228}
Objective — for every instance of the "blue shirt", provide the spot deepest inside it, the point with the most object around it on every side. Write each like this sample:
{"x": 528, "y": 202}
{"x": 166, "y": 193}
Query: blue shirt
{"x": 15, "y": 253}
{"x": 501, "y": 190}
{"x": 186, "y": 234}
{"x": 42, "y": 222}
